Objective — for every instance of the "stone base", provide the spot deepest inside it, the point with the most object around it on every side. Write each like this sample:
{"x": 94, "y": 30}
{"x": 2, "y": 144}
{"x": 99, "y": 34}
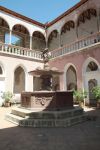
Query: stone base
{"x": 28, "y": 118}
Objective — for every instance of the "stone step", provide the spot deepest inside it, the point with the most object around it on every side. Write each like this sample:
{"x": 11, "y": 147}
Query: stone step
{"x": 53, "y": 123}
{"x": 31, "y": 118}
{"x": 57, "y": 114}
{"x": 21, "y": 112}
{"x": 13, "y": 118}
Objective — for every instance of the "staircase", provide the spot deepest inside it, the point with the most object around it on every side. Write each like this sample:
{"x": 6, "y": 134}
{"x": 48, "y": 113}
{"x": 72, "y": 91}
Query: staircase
{"x": 29, "y": 118}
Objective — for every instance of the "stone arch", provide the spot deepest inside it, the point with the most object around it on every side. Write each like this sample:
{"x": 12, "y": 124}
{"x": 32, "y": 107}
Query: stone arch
{"x": 6, "y": 22}
{"x": 86, "y": 63}
{"x": 20, "y": 36}
{"x": 19, "y": 80}
{"x": 68, "y": 33}
{"x": 2, "y": 82}
{"x": 4, "y": 29}
{"x": 70, "y": 77}
{"x": 53, "y": 40}
{"x": 90, "y": 73}
{"x": 2, "y": 68}
{"x": 38, "y": 41}
{"x": 87, "y": 23}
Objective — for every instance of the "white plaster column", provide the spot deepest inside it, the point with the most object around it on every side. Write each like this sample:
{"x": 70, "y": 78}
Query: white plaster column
{"x": 46, "y": 43}
{"x": 30, "y": 42}
{"x": 59, "y": 40}
{"x": 10, "y": 36}
{"x": 98, "y": 19}
{"x": 76, "y": 29}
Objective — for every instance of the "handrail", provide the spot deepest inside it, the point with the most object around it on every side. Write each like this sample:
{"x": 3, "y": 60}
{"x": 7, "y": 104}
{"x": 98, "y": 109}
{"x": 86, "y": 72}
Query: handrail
{"x": 77, "y": 45}
{"x": 20, "y": 51}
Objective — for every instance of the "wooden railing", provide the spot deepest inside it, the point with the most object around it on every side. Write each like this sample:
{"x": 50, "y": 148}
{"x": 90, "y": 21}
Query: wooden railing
{"x": 19, "y": 51}
{"x": 76, "y": 46}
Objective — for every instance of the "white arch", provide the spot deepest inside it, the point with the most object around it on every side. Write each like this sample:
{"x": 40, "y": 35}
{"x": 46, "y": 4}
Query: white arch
{"x": 51, "y": 32}
{"x": 65, "y": 23}
{"x": 19, "y": 23}
{"x": 4, "y": 18}
{"x": 40, "y": 32}
{"x": 25, "y": 71}
{"x": 87, "y": 61}
{"x": 86, "y": 76}
{"x": 65, "y": 70}
{"x": 93, "y": 7}
{"x": 22, "y": 66}
{"x": 3, "y": 68}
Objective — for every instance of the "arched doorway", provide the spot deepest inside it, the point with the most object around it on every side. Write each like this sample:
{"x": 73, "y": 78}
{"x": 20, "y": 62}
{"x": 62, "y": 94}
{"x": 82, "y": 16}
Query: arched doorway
{"x": 19, "y": 80}
{"x": 91, "y": 84}
{"x": 91, "y": 78}
{"x": 71, "y": 78}
{"x": 2, "y": 84}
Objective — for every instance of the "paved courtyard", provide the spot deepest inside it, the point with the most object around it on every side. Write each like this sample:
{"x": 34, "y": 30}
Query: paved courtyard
{"x": 84, "y": 136}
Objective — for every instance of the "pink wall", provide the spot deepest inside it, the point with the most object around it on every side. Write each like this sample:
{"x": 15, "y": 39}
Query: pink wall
{"x": 77, "y": 59}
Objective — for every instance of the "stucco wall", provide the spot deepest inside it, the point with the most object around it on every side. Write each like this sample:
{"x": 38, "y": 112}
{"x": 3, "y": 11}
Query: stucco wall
{"x": 76, "y": 59}
{"x": 10, "y": 64}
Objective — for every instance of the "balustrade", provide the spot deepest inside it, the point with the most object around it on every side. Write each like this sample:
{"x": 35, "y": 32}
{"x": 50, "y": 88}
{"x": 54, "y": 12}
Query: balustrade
{"x": 19, "y": 51}
{"x": 77, "y": 45}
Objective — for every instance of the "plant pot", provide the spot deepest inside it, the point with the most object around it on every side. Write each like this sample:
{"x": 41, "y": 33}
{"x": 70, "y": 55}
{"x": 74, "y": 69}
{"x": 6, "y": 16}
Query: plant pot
{"x": 98, "y": 105}
{"x": 81, "y": 104}
{"x": 7, "y": 104}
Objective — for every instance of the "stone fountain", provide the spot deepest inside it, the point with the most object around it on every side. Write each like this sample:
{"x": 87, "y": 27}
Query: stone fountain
{"x": 47, "y": 107}
{"x": 47, "y": 98}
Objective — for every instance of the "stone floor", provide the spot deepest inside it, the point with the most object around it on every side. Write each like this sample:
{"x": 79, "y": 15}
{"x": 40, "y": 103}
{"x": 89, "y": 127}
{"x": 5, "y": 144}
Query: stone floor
{"x": 84, "y": 136}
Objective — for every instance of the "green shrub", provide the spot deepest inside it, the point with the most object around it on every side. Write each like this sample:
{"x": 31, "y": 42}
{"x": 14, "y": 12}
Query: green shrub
{"x": 7, "y": 96}
{"x": 96, "y": 92}
{"x": 79, "y": 95}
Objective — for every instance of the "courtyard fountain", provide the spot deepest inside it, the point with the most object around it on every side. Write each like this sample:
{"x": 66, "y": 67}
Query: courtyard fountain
{"x": 47, "y": 107}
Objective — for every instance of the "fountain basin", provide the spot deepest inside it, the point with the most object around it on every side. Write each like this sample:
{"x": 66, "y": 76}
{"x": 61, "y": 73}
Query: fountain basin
{"x": 47, "y": 100}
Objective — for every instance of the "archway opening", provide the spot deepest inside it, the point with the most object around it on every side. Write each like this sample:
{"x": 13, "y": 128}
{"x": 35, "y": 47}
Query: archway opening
{"x": 68, "y": 33}
{"x": 19, "y": 80}
{"x": 1, "y": 72}
{"x": 38, "y": 41}
{"x": 53, "y": 40}
{"x": 92, "y": 66}
{"x": 91, "y": 84}
{"x": 20, "y": 36}
{"x": 87, "y": 23}
{"x": 4, "y": 31}
{"x": 71, "y": 78}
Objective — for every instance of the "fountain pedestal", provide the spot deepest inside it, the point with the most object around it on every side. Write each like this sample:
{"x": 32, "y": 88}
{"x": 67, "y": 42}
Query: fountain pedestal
{"x": 47, "y": 100}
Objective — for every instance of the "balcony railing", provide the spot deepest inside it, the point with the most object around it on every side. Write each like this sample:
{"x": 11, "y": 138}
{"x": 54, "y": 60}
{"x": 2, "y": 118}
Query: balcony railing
{"x": 20, "y": 51}
{"x": 76, "y": 46}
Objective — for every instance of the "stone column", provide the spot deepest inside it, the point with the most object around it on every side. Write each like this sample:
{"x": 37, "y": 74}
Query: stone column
{"x": 59, "y": 40}
{"x": 30, "y": 42}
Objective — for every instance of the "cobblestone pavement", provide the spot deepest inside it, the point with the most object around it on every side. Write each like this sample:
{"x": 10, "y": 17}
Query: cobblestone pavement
{"x": 84, "y": 136}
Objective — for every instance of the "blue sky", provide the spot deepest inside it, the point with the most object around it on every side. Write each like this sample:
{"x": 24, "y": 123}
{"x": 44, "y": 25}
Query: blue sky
{"x": 40, "y": 10}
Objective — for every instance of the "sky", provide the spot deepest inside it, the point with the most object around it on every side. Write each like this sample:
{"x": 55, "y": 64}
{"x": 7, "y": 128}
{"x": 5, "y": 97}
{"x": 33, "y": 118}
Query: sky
{"x": 40, "y": 10}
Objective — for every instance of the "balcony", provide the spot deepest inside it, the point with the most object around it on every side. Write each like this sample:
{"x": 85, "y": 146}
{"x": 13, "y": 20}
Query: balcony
{"x": 19, "y": 51}
{"x": 76, "y": 46}
{"x": 79, "y": 45}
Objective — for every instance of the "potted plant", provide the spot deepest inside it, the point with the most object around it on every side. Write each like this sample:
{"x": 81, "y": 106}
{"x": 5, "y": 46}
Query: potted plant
{"x": 7, "y": 96}
{"x": 96, "y": 93}
{"x": 79, "y": 96}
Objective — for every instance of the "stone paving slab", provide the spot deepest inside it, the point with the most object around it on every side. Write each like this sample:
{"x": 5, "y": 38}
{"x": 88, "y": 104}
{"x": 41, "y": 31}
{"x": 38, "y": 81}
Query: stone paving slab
{"x": 85, "y": 136}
